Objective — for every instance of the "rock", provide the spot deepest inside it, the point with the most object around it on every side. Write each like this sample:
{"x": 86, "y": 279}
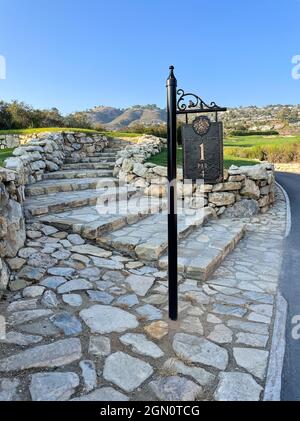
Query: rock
{"x": 161, "y": 171}
{"x": 141, "y": 345}
{"x": 139, "y": 169}
{"x": 16, "y": 263}
{"x": 75, "y": 239}
{"x": 197, "y": 297}
{"x": 17, "y": 338}
{"x": 66, "y": 322}
{"x": 213, "y": 319}
{"x": 61, "y": 271}
{"x": 253, "y": 360}
{"x": 222, "y": 199}
{"x": 15, "y": 285}
{"x": 75, "y": 285}
{"x": 99, "y": 296}
{"x": 256, "y": 317}
{"x": 4, "y": 275}
{"x": 26, "y": 316}
{"x": 175, "y": 388}
{"x": 140, "y": 284}
{"x": 243, "y": 209}
{"x": 105, "y": 319}
{"x": 88, "y": 370}
{"x": 74, "y": 300}
{"x": 31, "y": 273}
{"x": 229, "y": 310}
{"x": 259, "y": 328}
{"x": 149, "y": 312}
{"x": 134, "y": 265}
{"x": 61, "y": 255}
{"x": 221, "y": 334}
{"x": 24, "y": 253}
{"x": 91, "y": 250}
{"x": 107, "y": 263}
{"x": 22, "y": 305}
{"x": 33, "y": 234}
{"x": 174, "y": 366}
{"x": 115, "y": 277}
{"x": 252, "y": 339}
{"x": 264, "y": 309}
{"x": 155, "y": 190}
{"x": 42, "y": 327}
{"x": 192, "y": 324}
{"x": 255, "y": 172}
{"x": 56, "y": 354}
{"x": 48, "y": 230}
{"x": 99, "y": 346}
{"x": 105, "y": 394}
{"x": 49, "y": 299}
{"x": 200, "y": 350}
{"x": 91, "y": 273}
{"x": 41, "y": 260}
{"x": 127, "y": 300}
{"x": 53, "y": 281}
{"x": 125, "y": 371}
{"x": 157, "y": 330}
{"x": 230, "y": 185}
{"x": 9, "y": 390}
{"x": 33, "y": 291}
{"x": 250, "y": 189}
{"x": 53, "y": 386}
{"x": 80, "y": 258}
{"x": 127, "y": 165}
{"x": 237, "y": 387}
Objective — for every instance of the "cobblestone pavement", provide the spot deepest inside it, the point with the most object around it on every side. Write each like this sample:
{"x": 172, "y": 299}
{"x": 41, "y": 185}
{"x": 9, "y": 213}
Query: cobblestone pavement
{"x": 94, "y": 324}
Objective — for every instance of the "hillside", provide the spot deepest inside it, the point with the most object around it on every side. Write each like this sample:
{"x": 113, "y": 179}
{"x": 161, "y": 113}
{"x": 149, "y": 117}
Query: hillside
{"x": 283, "y": 118}
{"x": 116, "y": 119}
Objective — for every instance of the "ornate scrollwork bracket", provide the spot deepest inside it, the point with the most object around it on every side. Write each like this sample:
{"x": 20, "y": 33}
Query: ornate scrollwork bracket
{"x": 191, "y": 103}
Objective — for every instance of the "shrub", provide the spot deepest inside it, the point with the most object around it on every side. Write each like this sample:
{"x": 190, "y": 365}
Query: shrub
{"x": 253, "y": 133}
{"x": 289, "y": 152}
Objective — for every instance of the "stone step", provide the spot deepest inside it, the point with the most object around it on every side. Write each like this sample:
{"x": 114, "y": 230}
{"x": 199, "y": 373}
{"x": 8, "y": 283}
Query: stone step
{"x": 147, "y": 239}
{"x": 91, "y": 222}
{"x": 89, "y": 165}
{"x": 67, "y": 185}
{"x": 59, "y": 202}
{"x": 200, "y": 254}
{"x": 80, "y": 173}
{"x": 93, "y": 158}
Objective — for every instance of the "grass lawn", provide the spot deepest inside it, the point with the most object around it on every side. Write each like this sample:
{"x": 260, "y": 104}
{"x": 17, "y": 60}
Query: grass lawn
{"x": 161, "y": 159}
{"x": 4, "y": 153}
{"x": 250, "y": 141}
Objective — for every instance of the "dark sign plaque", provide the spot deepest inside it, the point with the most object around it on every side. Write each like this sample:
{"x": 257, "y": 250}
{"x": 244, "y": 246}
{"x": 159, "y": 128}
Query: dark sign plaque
{"x": 203, "y": 154}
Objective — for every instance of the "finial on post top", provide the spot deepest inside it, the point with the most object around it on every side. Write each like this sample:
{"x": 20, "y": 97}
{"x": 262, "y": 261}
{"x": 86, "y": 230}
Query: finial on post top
{"x": 171, "y": 71}
{"x": 171, "y": 79}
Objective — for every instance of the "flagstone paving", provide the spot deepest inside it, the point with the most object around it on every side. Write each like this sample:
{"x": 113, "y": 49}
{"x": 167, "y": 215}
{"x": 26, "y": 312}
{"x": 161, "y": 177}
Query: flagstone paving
{"x": 86, "y": 324}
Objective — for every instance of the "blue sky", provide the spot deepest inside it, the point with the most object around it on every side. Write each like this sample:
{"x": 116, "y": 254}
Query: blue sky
{"x": 76, "y": 54}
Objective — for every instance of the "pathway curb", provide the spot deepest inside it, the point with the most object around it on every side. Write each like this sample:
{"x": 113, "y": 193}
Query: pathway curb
{"x": 272, "y": 390}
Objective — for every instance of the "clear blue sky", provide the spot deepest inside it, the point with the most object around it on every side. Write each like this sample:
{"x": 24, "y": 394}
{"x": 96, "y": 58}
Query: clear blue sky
{"x": 75, "y": 54}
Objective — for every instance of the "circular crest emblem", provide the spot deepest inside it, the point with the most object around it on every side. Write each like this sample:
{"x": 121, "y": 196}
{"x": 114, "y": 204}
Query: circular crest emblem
{"x": 201, "y": 125}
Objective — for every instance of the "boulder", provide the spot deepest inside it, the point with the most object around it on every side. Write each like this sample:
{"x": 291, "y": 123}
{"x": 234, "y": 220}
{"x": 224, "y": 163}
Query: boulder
{"x": 222, "y": 199}
{"x": 250, "y": 189}
{"x": 242, "y": 209}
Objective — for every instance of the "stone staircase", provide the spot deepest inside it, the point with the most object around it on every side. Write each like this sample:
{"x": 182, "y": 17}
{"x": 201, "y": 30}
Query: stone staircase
{"x": 84, "y": 197}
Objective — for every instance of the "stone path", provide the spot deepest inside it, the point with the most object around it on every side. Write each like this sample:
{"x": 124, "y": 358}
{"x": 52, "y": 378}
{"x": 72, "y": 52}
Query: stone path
{"x": 86, "y": 323}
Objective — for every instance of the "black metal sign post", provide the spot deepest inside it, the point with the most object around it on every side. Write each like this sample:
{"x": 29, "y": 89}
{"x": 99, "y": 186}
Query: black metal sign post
{"x": 203, "y": 159}
{"x": 172, "y": 192}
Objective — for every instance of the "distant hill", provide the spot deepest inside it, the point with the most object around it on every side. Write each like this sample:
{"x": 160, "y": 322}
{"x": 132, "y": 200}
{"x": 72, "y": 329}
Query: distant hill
{"x": 284, "y": 118}
{"x": 116, "y": 118}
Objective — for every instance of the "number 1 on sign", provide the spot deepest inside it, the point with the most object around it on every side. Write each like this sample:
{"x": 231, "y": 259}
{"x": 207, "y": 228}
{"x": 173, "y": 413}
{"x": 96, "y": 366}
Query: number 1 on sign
{"x": 202, "y": 158}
